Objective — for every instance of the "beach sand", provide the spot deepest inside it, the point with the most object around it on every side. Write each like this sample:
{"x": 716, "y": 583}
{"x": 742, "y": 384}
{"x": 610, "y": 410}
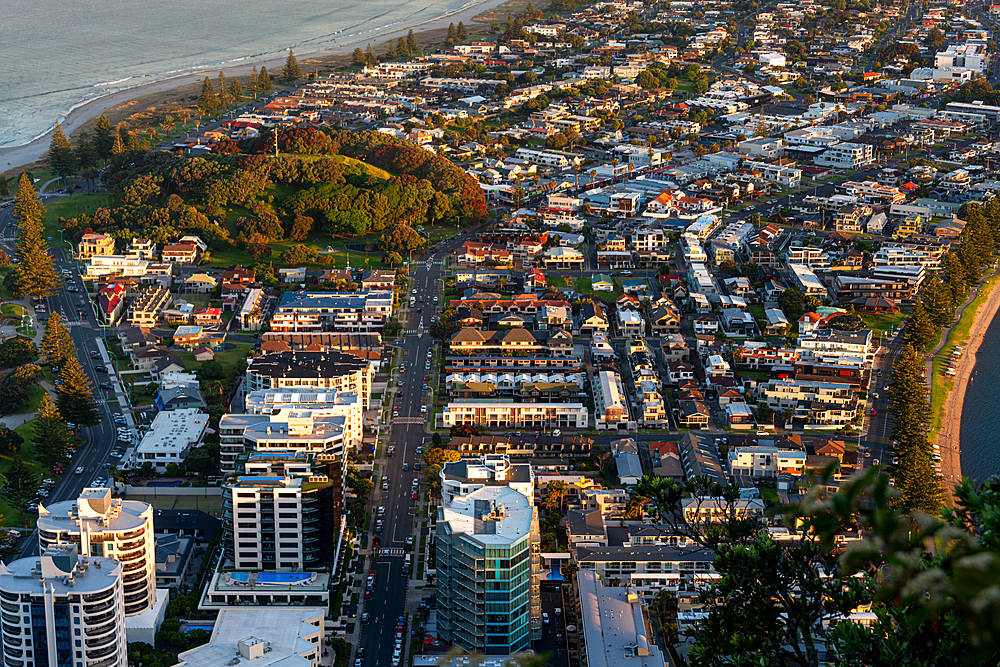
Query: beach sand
{"x": 183, "y": 90}
{"x": 949, "y": 437}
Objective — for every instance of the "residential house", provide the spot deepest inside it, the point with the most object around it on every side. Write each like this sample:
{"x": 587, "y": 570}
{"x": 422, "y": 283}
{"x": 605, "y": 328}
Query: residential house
{"x": 199, "y": 283}
{"x": 111, "y": 302}
{"x": 95, "y": 244}
{"x": 180, "y": 253}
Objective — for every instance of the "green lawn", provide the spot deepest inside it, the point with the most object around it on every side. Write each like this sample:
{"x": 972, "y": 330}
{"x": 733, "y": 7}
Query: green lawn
{"x": 228, "y": 358}
{"x": 883, "y": 324}
{"x": 585, "y": 286}
{"x": 70, "y": 207}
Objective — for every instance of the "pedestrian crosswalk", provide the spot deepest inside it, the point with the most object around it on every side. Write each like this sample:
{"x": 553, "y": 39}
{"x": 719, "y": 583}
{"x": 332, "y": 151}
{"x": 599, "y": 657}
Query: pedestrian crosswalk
{"x": 407, "y": 420}
{"x": 411, "y": 331}
{"x": 398, "y": 553}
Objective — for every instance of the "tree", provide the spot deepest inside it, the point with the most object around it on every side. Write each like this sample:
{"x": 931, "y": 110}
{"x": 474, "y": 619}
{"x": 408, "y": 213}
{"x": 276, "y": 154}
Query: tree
{"x": 301, "y": 227}
{"x": 208, "y": 103}
{"x": 919, "y": 330}
{"x": 75, "y": 394}
{"x": 401, "y": 238}
{"x": 411, "y": 42}
{"x": 791, "y": 302}
{"x": 28, "y": 208}
{"x": 51, "y": 440}
{"x": 393, "y": 259}
{"x": 460, "y": 32}
{"x": 85, "y": 153}
{"x": 60, "y": 157}
{"x": 452, "y": 34}
{"x": 647, "y": 80}
{"x": 57, "y": 344}
{"x": 444, "y": 328}
{"x": 358, "y": 57}
{"x": 223, "y": 87}
{"x": 264, "y": 81}
{"x": 555, "y": 494}
{"x": 22, "y": 485}
{"x": 438, "y": 456}
{"x": 236, "y": 92}
{"x": 915, "y": 476}
{"x": 103, "y": 137}
{"x": 935, "y": 39}
{"x": 10, "y": 441}
{"x": 253, "y": 85}
{"x": 292, "y": 72}
{"x": 16, "y": 352}
{"x": 35, "y": 275}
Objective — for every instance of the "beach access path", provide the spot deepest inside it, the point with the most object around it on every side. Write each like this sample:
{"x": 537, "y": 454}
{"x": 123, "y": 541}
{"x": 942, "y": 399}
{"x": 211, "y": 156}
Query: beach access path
{"x": 949, "y": 436}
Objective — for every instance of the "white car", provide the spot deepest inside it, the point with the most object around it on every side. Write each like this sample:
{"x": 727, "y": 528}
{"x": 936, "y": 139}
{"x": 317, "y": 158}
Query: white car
{"x": 423, "y": 409}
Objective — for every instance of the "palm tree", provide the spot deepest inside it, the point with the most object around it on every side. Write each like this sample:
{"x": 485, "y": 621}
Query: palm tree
{"x": 555, "y": 494}
{"x": 185, "y": 117}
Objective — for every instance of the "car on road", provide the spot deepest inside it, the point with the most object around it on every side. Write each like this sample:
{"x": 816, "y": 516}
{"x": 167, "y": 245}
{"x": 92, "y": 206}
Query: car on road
{"x": 406, "y": 466}
{"x": 416, "y": 467}
{"x": 107, "y": 386}
{"x": 414, "y": 495}
{"x": 545, "y": 618}
{"x": 875, "y": 395}
{"x": 875, "y": 462}
{"x": 366, "y": 618}
{"x": 423, "y": 409}
{"x": 368, "y": 595}
{"x": 79, "y": 471}
{"x": 101, "y": 369}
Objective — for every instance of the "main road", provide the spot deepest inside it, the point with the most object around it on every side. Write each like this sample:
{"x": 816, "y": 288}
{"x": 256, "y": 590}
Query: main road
{"x": 407, "y": 433}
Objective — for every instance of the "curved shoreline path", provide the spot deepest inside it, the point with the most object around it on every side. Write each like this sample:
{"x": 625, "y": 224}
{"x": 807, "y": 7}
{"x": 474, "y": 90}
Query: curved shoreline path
{"x": 13, "y": 157}
{"x": 949, "y": 435}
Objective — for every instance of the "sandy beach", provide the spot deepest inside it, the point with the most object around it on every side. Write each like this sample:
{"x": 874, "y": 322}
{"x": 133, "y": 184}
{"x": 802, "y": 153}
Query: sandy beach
{"x": 482, "y": 12}
{"x": 949, "y": 437}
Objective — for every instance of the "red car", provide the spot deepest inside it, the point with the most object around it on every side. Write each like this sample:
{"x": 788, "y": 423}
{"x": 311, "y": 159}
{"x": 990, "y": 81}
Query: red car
{"x": 413, "y": 495}
{"x": 368, "y": 595}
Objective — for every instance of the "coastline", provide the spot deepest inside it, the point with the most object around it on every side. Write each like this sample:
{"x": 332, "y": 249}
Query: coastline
{"x": 949, "y": 436}
{"x": 13, "y": 158}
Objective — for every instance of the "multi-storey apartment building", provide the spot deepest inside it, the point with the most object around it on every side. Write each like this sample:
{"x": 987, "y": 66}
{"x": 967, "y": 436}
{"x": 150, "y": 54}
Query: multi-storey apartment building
{"x": 332, "y": 311}
{"x": 329, "y": 370}
{"x": 60, "y": 598}
{"x": 108, "y": 527}
{"x": 497, "y": 413}
{"x": 145, "y": 311}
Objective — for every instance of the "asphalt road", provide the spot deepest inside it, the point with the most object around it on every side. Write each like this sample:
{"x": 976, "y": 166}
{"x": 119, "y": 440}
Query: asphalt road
{"x": 407, "y": 433}
{"x": 101, "y": 439}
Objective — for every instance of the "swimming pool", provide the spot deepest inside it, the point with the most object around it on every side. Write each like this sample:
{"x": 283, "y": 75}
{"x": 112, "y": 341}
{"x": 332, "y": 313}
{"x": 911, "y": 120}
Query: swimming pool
{"x": 241, "y": 577}
{"x": 193, "y": 626}
{"x": 282, "y": 578}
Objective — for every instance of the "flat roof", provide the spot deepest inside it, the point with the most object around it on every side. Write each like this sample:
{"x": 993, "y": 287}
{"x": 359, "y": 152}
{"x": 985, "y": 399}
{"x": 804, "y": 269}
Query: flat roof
{"x": 613, "y": 626}
{"x": 284, "y": 630}
{"x": 471, "y": 515}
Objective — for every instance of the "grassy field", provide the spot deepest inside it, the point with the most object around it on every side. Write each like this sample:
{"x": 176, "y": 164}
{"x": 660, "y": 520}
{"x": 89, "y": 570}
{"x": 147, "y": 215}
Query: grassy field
{"x": 70, "y": 207}
{"x": 585, "y": 286}
{"x": 883, "y": 324}
{"x": 228, "y": 358}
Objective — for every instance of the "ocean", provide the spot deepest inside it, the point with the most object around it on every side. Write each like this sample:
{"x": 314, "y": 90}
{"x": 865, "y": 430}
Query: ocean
{"x": 979, "y": 434}
{"x": 58, "y": 54}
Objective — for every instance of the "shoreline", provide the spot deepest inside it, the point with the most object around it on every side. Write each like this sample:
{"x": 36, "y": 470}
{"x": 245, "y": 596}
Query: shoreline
{"x": 13, "y": 158}
{"x": 949, "y": 435}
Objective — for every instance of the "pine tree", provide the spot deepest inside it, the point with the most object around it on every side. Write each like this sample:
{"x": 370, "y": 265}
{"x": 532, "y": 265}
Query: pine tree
{"x": 51, "y": 439}
{"x": 57, "y": 344}
{"x": 36, "y": 275}
{"x": 919, "y": 330}
{"x": 119, "y": 146}
{"x": 223, "y": 87}
{"x": 75, "y": 394}
{"x": 451, "y": 33}
{"x": 4, "y": 187}
{"x": 460, "y": 32}
{"x": 253, "y": 85}
{"x": 60, "y": 156}
{"x": 104, "y": 138}
{"x": 401, "y": 48}
{"x": 358, "y": 57}
{"x": 264, "y": 81}
{"x": 28, "y": 208}
{"x": 411, "y": 42}
{"x": 292, "y": 72}
{"x": 236, "y": 92}
{"x": 936, "y": 299}
{"x": 21, "y": 484}
{"x": 370, "y": 59}
{"x": 207, "y": 102}
{"x": 86, "y": 153}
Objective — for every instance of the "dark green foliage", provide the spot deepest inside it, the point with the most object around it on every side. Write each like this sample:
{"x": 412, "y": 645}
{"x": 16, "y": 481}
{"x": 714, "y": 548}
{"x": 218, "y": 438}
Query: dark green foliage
{"x": 792, "y": 302}
{"x": 21, "y": 485}
{"x": 291, "y": 72}
{"x": 17, "y": 351}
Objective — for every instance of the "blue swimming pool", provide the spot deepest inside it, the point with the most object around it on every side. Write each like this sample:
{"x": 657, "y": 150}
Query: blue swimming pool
{"x": 242, "y": 577}
{"x": 282, "y": 578}
{"x": 190, "y": 626}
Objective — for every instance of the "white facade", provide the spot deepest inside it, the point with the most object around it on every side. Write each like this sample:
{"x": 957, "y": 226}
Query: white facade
{"x": 70, "y": 598}
{"x": 112, "y": 528}
{"x": 262, "y": 636}
{"x": 501, "y": 413}
{"x": 320, "y": 403}
{"x": 116, "y": 265}
{"x": 847, "y": 156}
{"x": 807, "y": 280}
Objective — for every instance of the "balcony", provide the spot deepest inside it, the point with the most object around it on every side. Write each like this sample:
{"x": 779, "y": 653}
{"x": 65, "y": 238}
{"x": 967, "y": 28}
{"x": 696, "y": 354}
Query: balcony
{"x": 99, "y": 607}
{"x": 101, "y": 630}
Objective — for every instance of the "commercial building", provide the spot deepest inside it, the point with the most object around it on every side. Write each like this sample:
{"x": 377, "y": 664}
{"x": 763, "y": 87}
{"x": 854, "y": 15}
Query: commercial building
{"x": 330, "y": 370}
{"x": 614, "y": 630}
{"x": 262, "y": 636}
{"x": 488, "y": 571}
{"x": 116, "y": 266}
{"x": 497, "y": 413}
{"x": 170, "y": 437}
{"x": 113, "y": 528}
{"x": 58, "y": 600}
